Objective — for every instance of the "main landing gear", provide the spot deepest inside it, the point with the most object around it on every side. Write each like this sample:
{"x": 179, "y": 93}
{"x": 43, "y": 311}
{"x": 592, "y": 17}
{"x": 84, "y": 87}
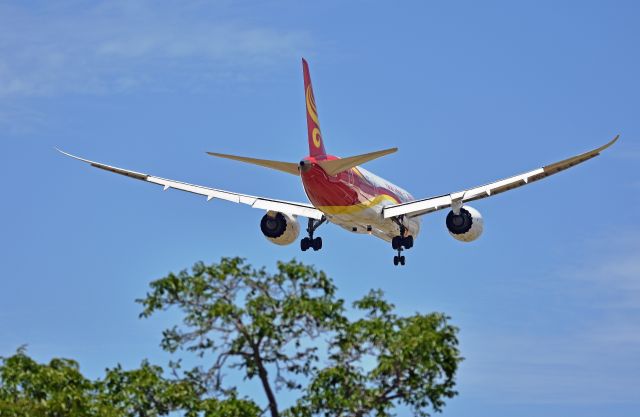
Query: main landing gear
{"x": 311, "y": 242}
{"x": 401, "y": 242}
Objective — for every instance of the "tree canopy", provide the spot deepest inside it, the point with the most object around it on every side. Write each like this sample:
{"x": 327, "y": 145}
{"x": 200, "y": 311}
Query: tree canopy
{"x": 287, "y": 329}
{"x": 58, "y": 389}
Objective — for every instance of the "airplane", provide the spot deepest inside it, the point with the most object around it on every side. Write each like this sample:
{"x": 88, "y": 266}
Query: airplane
{"x": 343, "y": 193}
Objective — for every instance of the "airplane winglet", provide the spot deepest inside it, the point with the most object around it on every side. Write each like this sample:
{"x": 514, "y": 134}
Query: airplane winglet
{"x": 608, "y": 144}
{"x": 72, "y": 156}
{"x": 579, "y": 158}
{"x": 125, "y": 172}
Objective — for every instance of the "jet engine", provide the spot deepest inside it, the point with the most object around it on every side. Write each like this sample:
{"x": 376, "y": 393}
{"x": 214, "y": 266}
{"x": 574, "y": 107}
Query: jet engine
{"x": 280, "y": 228}
{"x": 466, "y": 226}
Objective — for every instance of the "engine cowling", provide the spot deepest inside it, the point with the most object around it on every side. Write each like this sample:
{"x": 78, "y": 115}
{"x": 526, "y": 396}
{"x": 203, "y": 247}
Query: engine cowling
{"x": 280, "y": 228}
{"x": 466, "y": 226}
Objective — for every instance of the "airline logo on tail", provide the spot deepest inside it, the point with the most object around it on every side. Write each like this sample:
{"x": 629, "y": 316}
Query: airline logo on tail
{"x": 316, "y": 144}
{"x": 316, "y": 136}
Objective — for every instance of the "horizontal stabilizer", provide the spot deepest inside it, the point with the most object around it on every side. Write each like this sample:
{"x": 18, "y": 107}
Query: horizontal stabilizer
{"x": 289, "y": 167}
{"x": 337, "y": 166}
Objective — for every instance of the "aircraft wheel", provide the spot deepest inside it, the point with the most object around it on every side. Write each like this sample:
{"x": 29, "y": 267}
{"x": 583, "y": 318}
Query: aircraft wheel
{"x": 395, "y": 242}
{"x": 317, "y": 243}
{"x": 407, "y": 242}
{"x": 396, "y": 259}
{"x": 305, "y": 243}
{"x": 402, "y": 260}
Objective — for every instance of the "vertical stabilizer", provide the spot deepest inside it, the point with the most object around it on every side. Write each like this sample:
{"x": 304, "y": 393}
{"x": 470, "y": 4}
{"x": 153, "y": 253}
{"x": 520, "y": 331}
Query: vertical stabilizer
{"x": 316, "y": 143}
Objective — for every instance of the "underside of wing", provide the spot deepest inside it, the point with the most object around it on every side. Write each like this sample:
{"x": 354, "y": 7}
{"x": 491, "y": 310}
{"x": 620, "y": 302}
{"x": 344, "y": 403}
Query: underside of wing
{"x": 288, "y": 207}
{"x": 431, "y": 204}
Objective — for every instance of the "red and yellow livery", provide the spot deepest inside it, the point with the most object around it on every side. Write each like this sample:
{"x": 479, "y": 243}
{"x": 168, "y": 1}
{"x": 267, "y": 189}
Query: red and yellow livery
{"x": 343, "y": 193}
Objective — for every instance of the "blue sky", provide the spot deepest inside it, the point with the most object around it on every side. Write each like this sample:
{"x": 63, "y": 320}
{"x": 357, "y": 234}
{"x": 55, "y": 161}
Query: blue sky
{"x": 548, "y": 300}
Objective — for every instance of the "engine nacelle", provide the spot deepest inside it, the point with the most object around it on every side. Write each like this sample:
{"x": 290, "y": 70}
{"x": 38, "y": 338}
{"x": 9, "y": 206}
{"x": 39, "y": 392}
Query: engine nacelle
{"x": 466, "y": 226}
{"x": 280, "y": 228}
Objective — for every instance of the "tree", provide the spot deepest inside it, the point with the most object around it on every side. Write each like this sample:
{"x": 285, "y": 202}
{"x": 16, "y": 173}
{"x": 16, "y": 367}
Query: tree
{"x": 413, "y": 361}
{"x": 146, "y": 392}
{"x": 58, "y": 389}
{"x": 253, "y": 318}
{"x": 266, "y": 326}
{"x": 31, "y": 389}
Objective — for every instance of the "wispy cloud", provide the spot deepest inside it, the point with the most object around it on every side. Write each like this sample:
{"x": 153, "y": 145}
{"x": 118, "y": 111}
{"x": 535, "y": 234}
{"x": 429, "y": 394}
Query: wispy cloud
{"x": 122, "y": 46}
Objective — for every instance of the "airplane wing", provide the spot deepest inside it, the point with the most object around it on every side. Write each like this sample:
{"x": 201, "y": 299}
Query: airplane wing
{"x": 431, "y": 204}
{"x": 298, "y": 209}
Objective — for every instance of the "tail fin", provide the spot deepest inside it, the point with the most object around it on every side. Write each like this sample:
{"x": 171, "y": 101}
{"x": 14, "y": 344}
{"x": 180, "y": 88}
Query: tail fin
{"x": 316, "y": 144}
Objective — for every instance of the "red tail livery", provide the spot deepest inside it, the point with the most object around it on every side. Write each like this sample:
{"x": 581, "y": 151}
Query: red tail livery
{"x": 316, "y": 144}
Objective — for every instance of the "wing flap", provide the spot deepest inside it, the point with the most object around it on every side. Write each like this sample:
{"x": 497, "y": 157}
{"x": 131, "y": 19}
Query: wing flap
{"x": 289, "y": 207}
{"x": 429, "y": 205}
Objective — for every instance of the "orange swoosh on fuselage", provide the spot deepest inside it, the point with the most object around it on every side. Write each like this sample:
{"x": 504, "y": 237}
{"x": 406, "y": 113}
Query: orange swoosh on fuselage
{"x": 357, "y": 207}
{"x": 348, "y": 192}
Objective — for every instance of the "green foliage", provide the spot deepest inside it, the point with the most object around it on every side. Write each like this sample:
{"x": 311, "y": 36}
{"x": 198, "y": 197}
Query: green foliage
{"x": 249, "y": 316}
{"x": 267, "y": 326}
{"x": 143, "y": 392}
{"x": 381, "y": 360}
{"x": 231, "y": 407}
{"x": 58, "y": 389}
{"x": 287, "y": 329}
{"x": 31, "y": 389}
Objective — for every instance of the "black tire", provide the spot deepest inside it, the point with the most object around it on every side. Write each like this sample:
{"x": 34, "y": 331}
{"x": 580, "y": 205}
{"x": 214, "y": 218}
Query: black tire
{"x": 317, "y": 243}
{"x": 304, "y": 244}
{"x": 396, "y": 260}
{"x": 395, "y": 242}
{"x": 402, "y": 260}
{"x": 407, "y": 242}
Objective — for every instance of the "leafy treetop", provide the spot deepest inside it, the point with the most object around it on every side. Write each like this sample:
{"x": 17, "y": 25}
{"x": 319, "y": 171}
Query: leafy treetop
{"x": 266, "y": 325}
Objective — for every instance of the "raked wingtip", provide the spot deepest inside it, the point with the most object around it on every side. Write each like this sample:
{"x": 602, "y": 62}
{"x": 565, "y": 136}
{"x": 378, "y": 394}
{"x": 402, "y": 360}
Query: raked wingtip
{"x": 608, "y": 144}
{"x": 63, "y": 152}
{"x": 73, "y": 156}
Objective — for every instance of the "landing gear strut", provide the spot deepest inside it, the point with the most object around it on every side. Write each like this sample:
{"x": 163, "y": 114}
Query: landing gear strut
{"x": 311, "y": 242}
{"x": 401, "y": 242}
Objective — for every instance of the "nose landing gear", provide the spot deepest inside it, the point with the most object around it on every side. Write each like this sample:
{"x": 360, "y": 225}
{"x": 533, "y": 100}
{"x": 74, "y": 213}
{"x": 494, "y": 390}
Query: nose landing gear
{"x": 311, "y": 242}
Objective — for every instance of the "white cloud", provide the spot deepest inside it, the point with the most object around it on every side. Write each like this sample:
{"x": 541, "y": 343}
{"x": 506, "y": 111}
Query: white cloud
{"x": 112, "y": 47}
